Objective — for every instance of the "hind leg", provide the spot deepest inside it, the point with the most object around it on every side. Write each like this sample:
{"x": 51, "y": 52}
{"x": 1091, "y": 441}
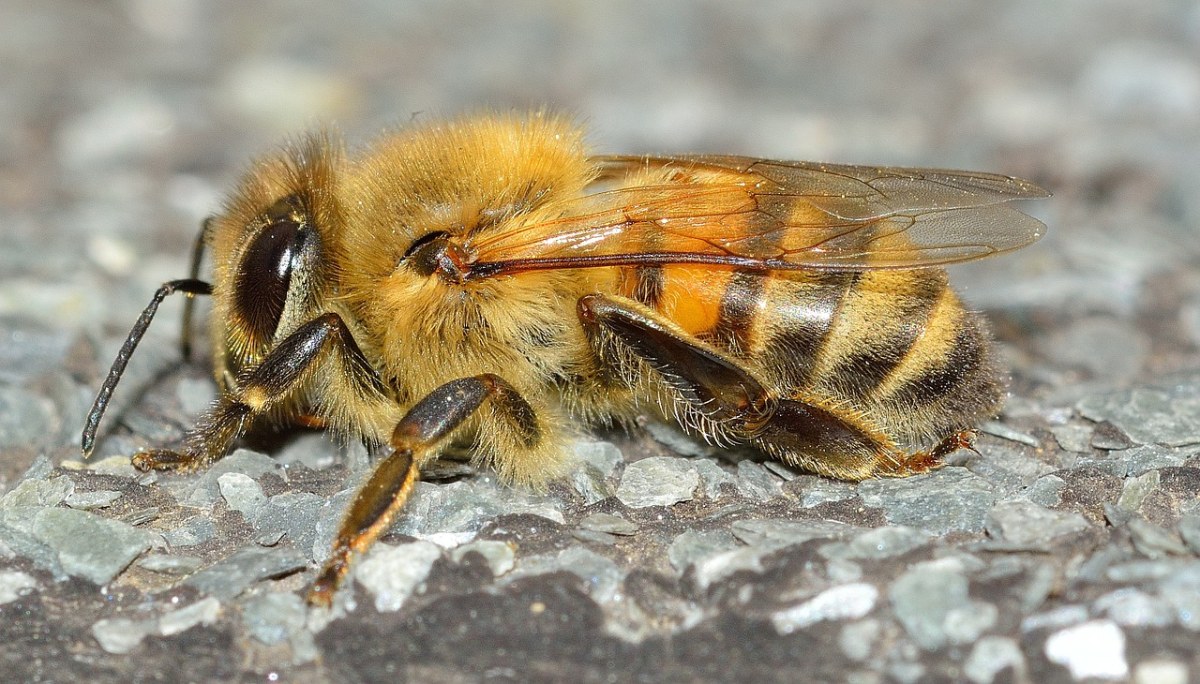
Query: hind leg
{"x": 715, "y": 395}
{"x": 838, "y": 441}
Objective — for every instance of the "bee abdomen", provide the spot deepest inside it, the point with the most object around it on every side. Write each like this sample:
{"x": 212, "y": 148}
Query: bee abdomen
{"x": 740, "y": 303}
{"x": 950, "y": 382}
{"x": 897, "y": 344}
{"x": 881, "y": 329}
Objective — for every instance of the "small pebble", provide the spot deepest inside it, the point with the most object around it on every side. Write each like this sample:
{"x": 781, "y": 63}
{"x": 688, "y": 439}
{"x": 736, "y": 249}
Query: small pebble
{"x": 273, "y": 617}
{"x": 1154, "y": 541}
{"x": 590, "y": 483}
{"x": 658, "y": 481}
{"x": 757, "y": 483}
{"x": 141, "y": 516}
{"x": 845, "y": 602}
{"x": 1131, "y": 607}
{"x": 1073, "y": 437}
{"x": 202, "y": 612}
{"x": 1160, "y": 671}
{"x": 394, "y": 573}
{"x": 606, "y": 522}
{"x": 1025, "y": 523}
{"x": 242, "y": 494}
{"x": 90, "y": 501}
{"x": 1189, "y": 531}
{"x": 500, "y": 556}
{"x": 195, "y": 530}
{"x": 230, "y": 577}
{"x": 1092, "y": 649}
{"x": 605, "y": 456}
{"x": 857, "y": 639}
{"x": 38, "y": 492}
{"x": 998, "y": 429}
{"x": 693, "y": 545}
{"x": 122, "y": 635}
{"x": 990, "y": 656}
{"x": 923, "y": 597}
{"x": 819, "y": 490}
{"x": 89, "y": 546}
{"x": 882, "y": 542}
{"x": 713, "y": 476}
{"x": 14, "y": 584}
{"x": 170, "y": 564}
{"x": 1168, "y": 416}
{"x": 948, "y": 500}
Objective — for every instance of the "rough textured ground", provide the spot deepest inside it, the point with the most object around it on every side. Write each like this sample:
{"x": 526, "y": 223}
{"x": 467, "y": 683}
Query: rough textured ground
{"x": 1066, "y": 549}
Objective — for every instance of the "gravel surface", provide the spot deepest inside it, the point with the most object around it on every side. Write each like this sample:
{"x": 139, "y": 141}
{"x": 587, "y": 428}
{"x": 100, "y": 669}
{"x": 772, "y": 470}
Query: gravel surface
{"x": 1067, "y": 549}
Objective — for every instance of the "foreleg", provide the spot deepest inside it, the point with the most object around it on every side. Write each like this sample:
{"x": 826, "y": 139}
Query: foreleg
{"x": 265, "y": 386}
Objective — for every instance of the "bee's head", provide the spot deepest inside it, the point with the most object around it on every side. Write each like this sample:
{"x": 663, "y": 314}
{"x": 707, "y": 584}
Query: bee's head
{"x": 269, "y": 253}
{"x": 269, "y": 265}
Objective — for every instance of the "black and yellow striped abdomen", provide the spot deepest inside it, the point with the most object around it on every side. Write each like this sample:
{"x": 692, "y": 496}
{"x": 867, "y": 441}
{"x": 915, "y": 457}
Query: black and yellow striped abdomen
{"x": 894, "y": 345}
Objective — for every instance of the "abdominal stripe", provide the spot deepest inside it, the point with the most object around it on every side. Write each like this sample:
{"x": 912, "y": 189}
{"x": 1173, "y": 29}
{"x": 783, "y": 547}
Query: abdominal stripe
{"x": 803, "y": 317}
{"x": 739, "y": 302}
{"x": 964, "y": 359}
{"x": 873, "y": 358}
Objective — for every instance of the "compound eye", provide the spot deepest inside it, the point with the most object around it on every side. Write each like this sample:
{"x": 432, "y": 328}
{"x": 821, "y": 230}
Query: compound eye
{"x": 265, "y": 273}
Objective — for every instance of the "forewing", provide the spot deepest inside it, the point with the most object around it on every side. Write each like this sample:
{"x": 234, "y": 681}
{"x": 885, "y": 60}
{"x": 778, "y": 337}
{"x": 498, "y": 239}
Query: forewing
{"x": 778, "y": 215}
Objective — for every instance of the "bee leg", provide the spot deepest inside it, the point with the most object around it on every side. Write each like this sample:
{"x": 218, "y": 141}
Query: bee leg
{"x": 717, "y": 396}
{"x": 310, "y": 421}
{"x": 416, "y": 436}
{"x": 835, "y": 440}
{"x": 284, "y": 369}
{"x": 931, "y": 459}
{"x": 807, "y": 431}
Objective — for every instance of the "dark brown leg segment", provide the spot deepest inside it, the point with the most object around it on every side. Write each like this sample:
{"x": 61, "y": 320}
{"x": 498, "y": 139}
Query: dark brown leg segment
{"x": 272, "y": 381}
{"x": 826, "y": 437}
{"x": 421, "y": 430}
{"x": 839, "y": 442}
{"x": 710, "y": 384}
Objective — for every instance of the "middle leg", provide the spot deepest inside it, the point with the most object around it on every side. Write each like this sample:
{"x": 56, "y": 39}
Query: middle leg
{"x": 416, "y": 439}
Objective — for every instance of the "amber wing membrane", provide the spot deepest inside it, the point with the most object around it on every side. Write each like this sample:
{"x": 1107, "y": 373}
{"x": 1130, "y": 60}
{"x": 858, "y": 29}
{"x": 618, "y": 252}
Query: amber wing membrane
{"x": 775, "y": 215}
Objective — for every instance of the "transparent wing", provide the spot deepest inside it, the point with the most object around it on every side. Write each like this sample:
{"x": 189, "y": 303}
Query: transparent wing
{"x": 775, "y": 215}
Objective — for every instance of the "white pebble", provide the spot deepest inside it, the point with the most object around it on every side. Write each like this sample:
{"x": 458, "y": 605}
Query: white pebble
{"x": 848, "y": 601}
{"x": 1093, "y": 649}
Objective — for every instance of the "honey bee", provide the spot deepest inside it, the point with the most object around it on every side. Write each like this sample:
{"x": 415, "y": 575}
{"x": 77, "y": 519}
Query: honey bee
{"x": 485, "y": 281}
